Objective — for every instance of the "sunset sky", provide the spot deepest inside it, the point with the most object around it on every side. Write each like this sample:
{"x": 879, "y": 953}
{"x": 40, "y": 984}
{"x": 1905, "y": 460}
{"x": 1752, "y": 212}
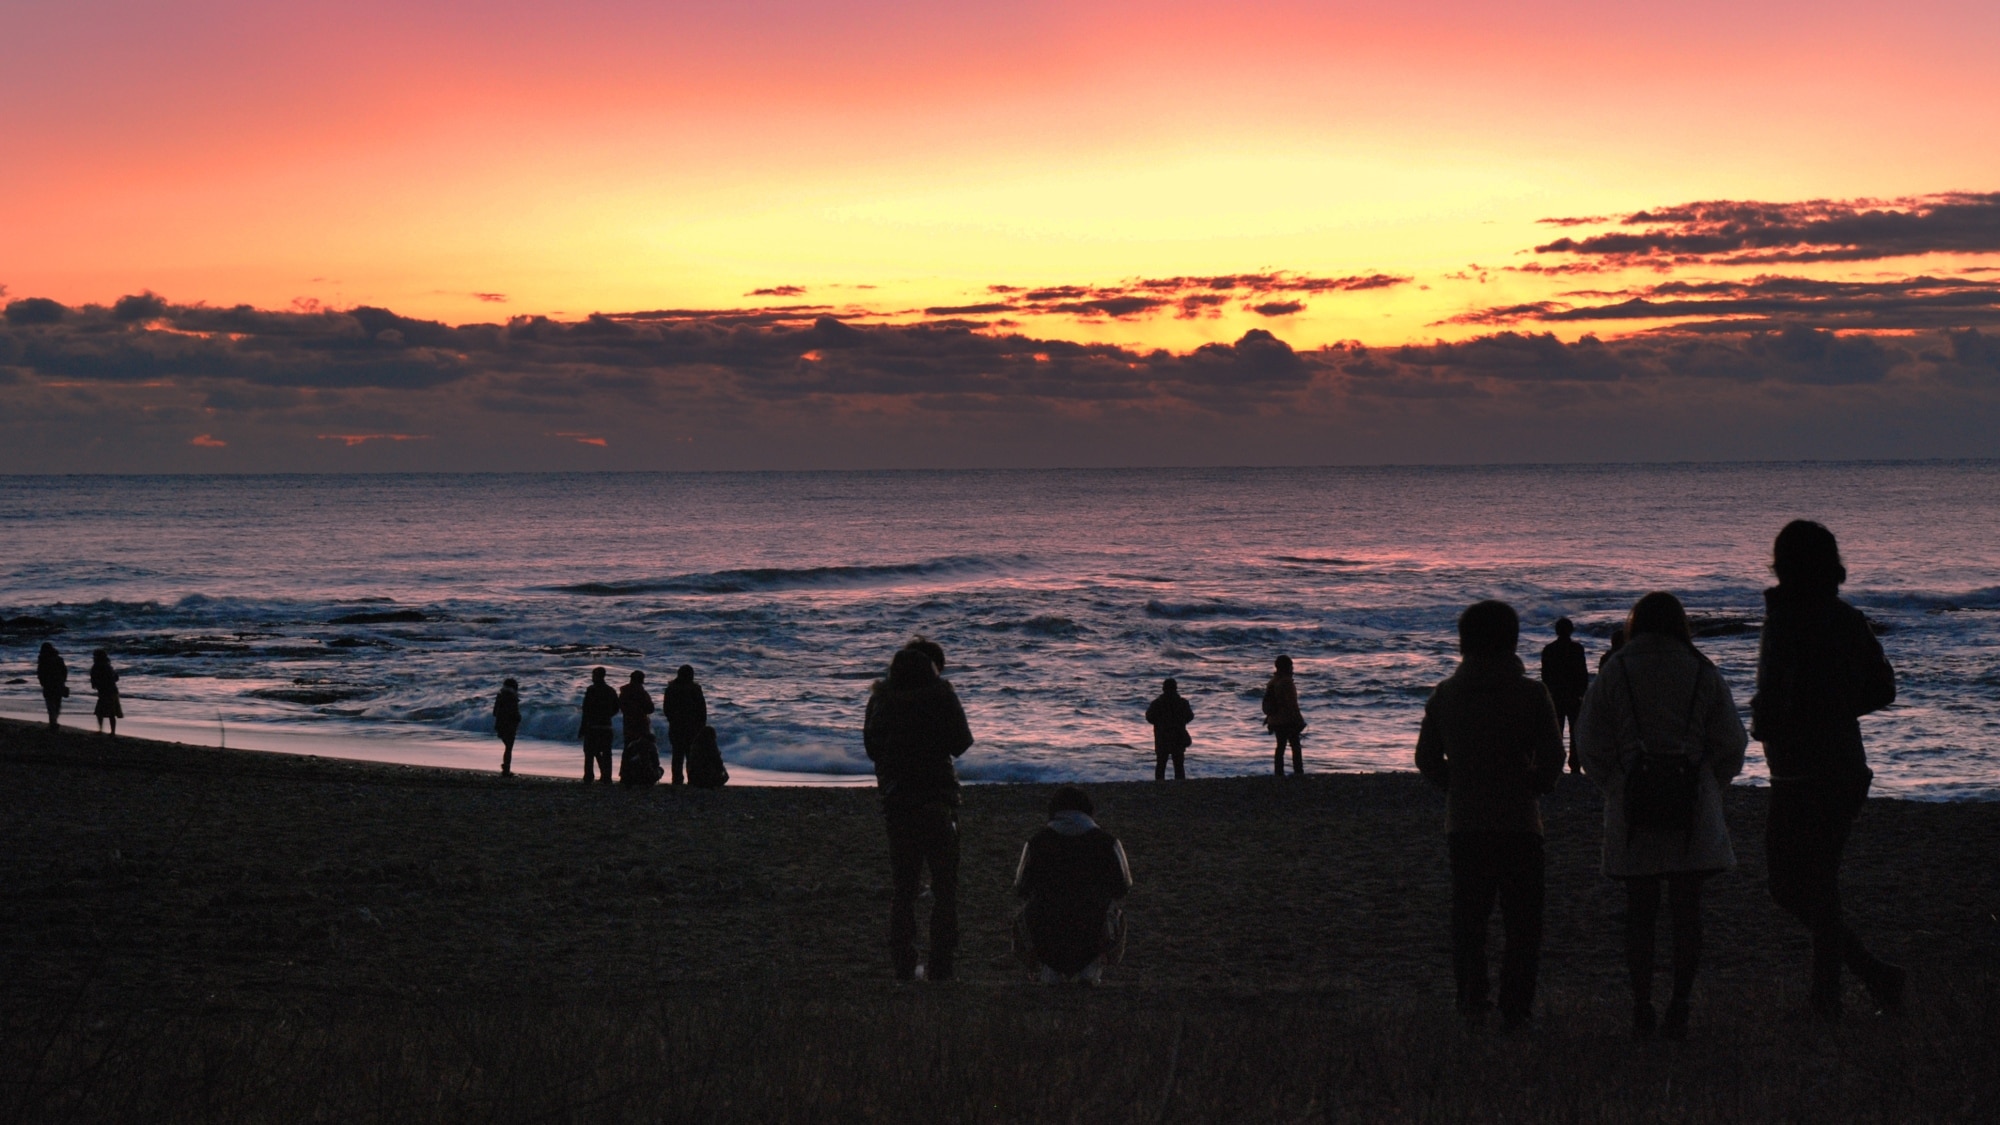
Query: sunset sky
{"x": 238, "y": 237}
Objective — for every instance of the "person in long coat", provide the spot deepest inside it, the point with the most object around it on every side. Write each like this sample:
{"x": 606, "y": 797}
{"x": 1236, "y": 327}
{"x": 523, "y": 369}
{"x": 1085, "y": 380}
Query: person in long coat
{"x": 1661, "y": 696}
{"x": 54, "y": 677}
{"x": 104, "y": 681}
{"x": 686, "y": 711}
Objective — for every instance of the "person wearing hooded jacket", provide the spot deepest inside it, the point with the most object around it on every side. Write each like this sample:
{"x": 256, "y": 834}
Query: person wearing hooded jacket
{"x": 54, "y": 676}
{"x": 1819, "y": 669}
{"x": 914, "y": 731}
{"x": 635, "y": 709}
{"x": 1660, "y": 695}
{"x": 1490, "y": 741}
{"x": 1072, "y": 873}
{"x": 686, "y": 711}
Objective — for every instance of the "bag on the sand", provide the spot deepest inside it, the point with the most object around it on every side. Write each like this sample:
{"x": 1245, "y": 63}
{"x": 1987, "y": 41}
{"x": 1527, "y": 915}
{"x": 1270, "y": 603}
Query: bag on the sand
{"x": 1662, "y": 788}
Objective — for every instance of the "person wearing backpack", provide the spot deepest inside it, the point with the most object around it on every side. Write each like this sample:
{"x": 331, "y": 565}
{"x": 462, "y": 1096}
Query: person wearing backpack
{"x": 1660, "y": 737}
{"x": 1819, "y": 669}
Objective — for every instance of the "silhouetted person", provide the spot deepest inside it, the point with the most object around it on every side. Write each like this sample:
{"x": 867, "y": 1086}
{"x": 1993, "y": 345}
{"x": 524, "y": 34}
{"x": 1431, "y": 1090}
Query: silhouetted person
{"x": 507, "y": 722}
{"x": 704, "y": 767}
{"x": 104, "y": 681}
{"x": 1819, "y": 669}
{"x": 54, "y": 675}
{"x": 635, "y": 709}
{"x": 1491, "y": 742}
{"x": 915, "y": 729}
{"x": 1283, "y": 718}
{"x": 1660, "y": 737}
{"x": 1617, "y": 642}
{"x": 600, "y": 705}
{"x": 1170, "y": 713}
{"x": 686, "y": 711}
{"x": 640, "y": 764}
{"x": 1072, "y": 873}
{"x": 1567, "y": 676}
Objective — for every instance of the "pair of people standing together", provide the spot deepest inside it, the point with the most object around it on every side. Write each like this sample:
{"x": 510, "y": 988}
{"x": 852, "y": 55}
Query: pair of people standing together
{"x": 1659, "y": 735}
{"x": 1170, "y": 713}
{"x": 52, "y": 673}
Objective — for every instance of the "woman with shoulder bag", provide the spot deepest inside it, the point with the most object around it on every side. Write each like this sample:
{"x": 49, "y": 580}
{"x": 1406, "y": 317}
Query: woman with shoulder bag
{"x": 1660, "y": 737}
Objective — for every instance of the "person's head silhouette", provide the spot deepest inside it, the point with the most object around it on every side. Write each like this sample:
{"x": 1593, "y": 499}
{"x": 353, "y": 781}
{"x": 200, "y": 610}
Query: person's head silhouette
{"x": 1488, "y": 628}
{"x": 1564, "y": 628}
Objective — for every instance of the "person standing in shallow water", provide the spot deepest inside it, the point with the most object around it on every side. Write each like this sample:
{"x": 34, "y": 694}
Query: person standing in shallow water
{"x": 104, "y": 681}
{"x": 507, "y": 722}
{"x": 914, "y": 731}
{"x": 1490, "y": 741}
{"x": 1819, "y": 669}
{"x": 1566, "y": 674}
{"x": 686, "y": 711}
{"x": 600, "y": 705}
{"x": 1663, "y": 708}
{"x": 54, "y": 677}
{"x": 1170, "y": 713}
{"x": 1283, "y": 718}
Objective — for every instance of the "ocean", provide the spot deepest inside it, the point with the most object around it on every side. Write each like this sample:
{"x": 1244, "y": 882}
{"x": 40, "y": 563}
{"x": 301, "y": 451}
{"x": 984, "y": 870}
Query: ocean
{"x": 374, "y": 616}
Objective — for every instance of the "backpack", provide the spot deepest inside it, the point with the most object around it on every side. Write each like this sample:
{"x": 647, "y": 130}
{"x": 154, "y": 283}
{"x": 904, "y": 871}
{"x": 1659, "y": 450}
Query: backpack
{"x": 1662, "y": 789}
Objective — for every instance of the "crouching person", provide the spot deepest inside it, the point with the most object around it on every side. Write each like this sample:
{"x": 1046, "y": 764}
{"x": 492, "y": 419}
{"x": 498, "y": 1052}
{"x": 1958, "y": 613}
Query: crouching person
{"x": 704, "y": 761}
{"x": 1072, "y": 873}
{"x": 640, "y": 765}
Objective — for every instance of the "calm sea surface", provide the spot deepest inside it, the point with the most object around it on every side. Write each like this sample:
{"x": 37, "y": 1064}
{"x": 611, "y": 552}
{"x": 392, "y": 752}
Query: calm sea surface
{"x": 1061, "y": 598}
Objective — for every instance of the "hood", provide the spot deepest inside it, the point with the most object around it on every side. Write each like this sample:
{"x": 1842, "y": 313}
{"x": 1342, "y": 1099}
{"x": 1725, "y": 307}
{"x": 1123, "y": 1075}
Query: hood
{"x": 1069, "y": 822}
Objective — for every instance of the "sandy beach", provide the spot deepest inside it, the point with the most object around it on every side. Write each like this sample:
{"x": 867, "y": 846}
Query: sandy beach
{"x": 169, "y": 875}
{"x": 196, "y": 934}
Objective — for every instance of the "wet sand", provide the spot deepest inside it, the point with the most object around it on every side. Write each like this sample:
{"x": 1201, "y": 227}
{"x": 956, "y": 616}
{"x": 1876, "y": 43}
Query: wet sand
{"x": 157, "y": 875}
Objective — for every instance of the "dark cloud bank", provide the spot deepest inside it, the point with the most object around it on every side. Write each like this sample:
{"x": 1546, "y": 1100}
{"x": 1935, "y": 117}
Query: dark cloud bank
{"x": 1725, "y": 232}
{"x": 147, "y": 385}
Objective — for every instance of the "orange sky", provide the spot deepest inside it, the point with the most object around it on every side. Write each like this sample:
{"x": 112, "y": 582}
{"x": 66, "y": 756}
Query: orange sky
{"x": 623, "y": 156}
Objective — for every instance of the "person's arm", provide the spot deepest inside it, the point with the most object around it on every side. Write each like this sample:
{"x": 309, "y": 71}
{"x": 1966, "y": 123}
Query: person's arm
{"x": 1723, "y": 737}
{"x": 1597, "y": 739}
{"x": 1122, "y": 882}
{"x": 1021, "y": 883}
{"x": 1875, "y": 679}
{"x": 1431, "y": 759}
{"x": 960, "y": 731}
{"x": 1153, "y": 714}
{"x": 700, "y": 708}
{"x": 1547, "y": 745}
{"x": 871, "y": 735}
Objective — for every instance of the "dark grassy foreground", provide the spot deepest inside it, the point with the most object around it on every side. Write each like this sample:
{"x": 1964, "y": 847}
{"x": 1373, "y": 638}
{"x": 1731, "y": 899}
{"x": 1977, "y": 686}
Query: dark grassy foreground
{"x": 201, "y": 935}
{"x": 954, "y": 1054}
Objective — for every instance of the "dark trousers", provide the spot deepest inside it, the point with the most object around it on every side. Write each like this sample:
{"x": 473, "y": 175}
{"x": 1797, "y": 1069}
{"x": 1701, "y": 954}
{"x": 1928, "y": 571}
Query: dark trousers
{"x": 597, "y": 752}
{"x": 1298, "y": 753}
{"x": 682, "y": 742}
{"x": 1566, "y": 712}
{"x": 923, "y": 836}
{"x": 1804, "y": 838}
{"x": 1642, "y": 921}
{"x": 1164, "y": 753}
{"x": 507, "y": 740}
{"x": 1506, "y": 866}
{"x": 54, "y": 704}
